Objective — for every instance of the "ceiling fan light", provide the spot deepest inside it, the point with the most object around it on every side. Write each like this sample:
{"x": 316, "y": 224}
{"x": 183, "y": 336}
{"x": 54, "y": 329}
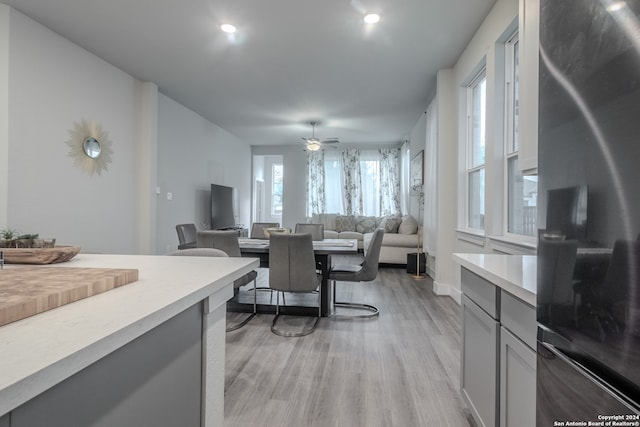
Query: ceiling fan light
{"x": 313, "y": 146}
{"x": 228, "y": 28}
{"x": 372, "y": 18}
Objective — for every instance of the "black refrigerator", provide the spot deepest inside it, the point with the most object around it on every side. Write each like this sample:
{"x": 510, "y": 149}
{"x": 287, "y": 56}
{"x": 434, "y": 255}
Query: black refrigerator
{"x": 588, "y": 309}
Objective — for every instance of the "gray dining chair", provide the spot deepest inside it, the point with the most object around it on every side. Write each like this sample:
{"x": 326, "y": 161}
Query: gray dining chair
{"x": 316, "y": 230}
{"x": 364, "y": 272}
{"x": 186, "y": 236}
{"x": 227, "y": 241}
{"x": 199, "y": 252}
{"x": 292, "y": 269}
{"x": 257, "y": 229}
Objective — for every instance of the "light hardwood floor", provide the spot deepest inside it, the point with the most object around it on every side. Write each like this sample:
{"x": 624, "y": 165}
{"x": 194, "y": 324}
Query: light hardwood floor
{"x": 400, "y": 369}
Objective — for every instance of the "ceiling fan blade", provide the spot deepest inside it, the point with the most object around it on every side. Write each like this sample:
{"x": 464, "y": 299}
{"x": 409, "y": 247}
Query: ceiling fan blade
{"x": 330, "y": 141}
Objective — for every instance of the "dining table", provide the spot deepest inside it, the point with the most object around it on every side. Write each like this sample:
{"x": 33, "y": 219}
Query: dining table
{"x": 322, "y": 249}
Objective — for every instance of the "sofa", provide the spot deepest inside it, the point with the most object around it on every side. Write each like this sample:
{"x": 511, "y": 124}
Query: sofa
{"x": 401, "y": 236}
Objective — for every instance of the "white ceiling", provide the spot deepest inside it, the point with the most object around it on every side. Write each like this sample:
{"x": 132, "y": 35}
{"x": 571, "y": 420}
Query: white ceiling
{"x": 291, "y": 61}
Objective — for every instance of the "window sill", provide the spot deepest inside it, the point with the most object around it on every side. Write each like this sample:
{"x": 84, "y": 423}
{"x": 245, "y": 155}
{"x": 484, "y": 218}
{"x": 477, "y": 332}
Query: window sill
{"x": 512, "y": 245}
{"x": 471, "y": 236}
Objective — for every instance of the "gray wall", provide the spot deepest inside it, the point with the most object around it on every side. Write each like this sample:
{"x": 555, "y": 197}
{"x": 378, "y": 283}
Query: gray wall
{"x": 47, "y": 84}
{"x": 294, "y": 194}
{"x": 53, "y": 84}
{"x": 194, "y": 153}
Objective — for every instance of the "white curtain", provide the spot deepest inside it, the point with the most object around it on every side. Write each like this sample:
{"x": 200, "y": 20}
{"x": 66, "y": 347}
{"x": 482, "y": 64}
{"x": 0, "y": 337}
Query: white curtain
{"x": 315, "y": 183}
{"x": 354, "y": 182}
{"x": 389, "y": 201}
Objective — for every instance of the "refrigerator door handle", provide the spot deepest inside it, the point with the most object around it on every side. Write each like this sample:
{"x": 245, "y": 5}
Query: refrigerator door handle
{"x": 547, "y": 336}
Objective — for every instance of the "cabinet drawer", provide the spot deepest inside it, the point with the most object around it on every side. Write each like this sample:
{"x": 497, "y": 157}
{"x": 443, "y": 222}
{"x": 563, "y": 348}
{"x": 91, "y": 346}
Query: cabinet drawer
{"x": 519, "y": 317}
{"x": 481, "y": 291}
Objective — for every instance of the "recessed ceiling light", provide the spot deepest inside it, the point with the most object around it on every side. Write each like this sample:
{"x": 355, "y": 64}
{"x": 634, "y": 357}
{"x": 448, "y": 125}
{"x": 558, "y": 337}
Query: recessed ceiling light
{"x": 371, "y": 18}
{"x": 228, "y": 28}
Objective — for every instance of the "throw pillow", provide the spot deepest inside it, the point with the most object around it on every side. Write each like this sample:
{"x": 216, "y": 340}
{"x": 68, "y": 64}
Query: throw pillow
{"x": 390, "y": 223}
{"x": 408, "y": 226}
{"x": 327, "y": 219}
{"x": 366, "y": 224}
{"x": 345, "y": 223}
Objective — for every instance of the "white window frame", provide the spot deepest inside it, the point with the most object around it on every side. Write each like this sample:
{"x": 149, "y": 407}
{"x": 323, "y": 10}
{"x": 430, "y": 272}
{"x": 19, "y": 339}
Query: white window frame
{"x": 511, "y": 148}
{"x": 509, "y": 91}
{"x": 469, "y": 167}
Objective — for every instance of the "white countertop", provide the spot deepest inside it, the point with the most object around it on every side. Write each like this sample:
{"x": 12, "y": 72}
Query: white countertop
{"x": 43, "y": 350}
{"x": 515, "y": 274}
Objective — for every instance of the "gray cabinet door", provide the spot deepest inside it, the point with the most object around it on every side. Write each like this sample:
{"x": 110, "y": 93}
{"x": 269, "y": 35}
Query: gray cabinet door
{"x": 517, "y": 382}
{"x": 479, "y": 375}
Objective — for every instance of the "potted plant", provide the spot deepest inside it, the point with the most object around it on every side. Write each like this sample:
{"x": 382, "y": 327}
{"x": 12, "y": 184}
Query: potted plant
{"x": 26, "y": 240}
{"x": 8, "y": 238}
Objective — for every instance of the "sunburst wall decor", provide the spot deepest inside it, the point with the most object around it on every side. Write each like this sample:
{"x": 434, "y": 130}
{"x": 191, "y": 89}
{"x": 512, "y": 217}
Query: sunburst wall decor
{"x": 89, "y": 147}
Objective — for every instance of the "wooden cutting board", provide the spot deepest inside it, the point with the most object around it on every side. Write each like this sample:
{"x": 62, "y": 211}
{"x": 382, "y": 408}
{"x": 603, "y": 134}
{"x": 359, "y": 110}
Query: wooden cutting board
{"x": 26, "y": 291}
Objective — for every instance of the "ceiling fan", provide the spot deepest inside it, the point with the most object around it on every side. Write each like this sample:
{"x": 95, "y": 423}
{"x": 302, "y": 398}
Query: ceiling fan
{"x": 313, "y": 143}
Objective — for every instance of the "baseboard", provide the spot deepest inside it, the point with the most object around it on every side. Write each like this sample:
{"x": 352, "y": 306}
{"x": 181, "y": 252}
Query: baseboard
{"x": 440, "y": 288}
{"x": 431, "y": 272}
{"x": 447, "y": 290}
{"x": 455, "y": 294}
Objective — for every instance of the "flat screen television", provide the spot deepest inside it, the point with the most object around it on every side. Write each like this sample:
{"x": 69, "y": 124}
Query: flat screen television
{"x": 567, "y": 212}
{"x": 222, "y": 216}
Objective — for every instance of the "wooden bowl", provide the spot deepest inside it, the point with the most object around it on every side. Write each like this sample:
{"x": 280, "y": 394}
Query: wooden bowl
{"x": 39, "y": 255}
{"x": 268, "y": 231}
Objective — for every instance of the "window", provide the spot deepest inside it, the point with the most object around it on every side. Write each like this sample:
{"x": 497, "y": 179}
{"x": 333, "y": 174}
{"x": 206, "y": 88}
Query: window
{"x": 370, "y": 181}
{"x": 355, "y": 182}
{"x": 476, "y": 119}
{"x": 333, "y": 181}
{"x": 276, "y": 189}
{"x": 521, "y": 191}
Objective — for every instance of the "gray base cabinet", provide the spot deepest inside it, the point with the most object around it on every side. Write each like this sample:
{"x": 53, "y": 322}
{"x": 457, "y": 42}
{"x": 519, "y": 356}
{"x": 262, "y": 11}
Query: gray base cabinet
{"x": 498, "y": 375}
{"x": 517, "y": 382}
{"x": 153, "y": 381}
{"x": 479, "y": 362}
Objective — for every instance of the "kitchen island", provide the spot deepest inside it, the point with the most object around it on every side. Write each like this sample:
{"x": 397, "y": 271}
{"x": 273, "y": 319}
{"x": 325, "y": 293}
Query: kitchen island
{"x": 498, "y": 372}
{"x": 147, "y": 353}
